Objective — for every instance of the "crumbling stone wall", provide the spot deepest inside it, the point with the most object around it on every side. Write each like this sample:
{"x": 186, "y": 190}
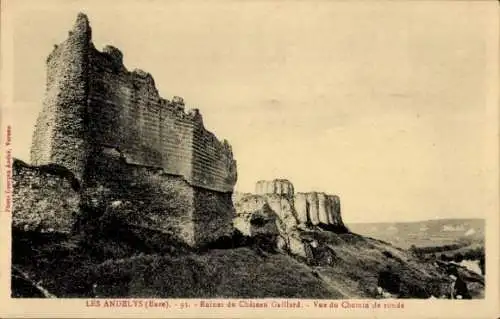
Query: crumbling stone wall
{"x": 299, "y": 209}
{"x": 276, "y": 186}
{"x": 288, "y": 214}
{"x": 256, "y": 217}
{"x": 311, "y": 208}
{"x": 318, "y": 208}
{"x": 95, "y": 108}
{"x": 45, "y": 198}
{"x": 93, "y": 100}
{"x": 148, "y": 197}
{"x": 128, "y": 114}
{"x": 140, "y": 196}
{"x": 212, "y": 215}
{"x": 284, "y": 208}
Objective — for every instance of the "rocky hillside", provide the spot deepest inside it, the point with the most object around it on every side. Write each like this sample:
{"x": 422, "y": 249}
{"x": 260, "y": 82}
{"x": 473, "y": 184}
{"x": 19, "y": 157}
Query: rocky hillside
{"x": 275, "y": 250}
{"x": 350, "y": 262}
{"x": 270, "y": 254}
{"x": 343, "y": 266}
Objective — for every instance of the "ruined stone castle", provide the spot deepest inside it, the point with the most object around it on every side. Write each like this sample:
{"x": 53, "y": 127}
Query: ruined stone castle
{"x": 107, "y": 147}
{"x": 112, "y": 130}
{"x": 93, "y": 103}
{"x": 274, "y": 210}
{"x": 312, "y": 208}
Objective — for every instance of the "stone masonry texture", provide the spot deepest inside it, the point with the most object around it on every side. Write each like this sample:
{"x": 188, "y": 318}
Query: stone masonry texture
{"x": 99, "y": 118}
{"x": 93, "y": 101}
{"x": 45, "y": 198}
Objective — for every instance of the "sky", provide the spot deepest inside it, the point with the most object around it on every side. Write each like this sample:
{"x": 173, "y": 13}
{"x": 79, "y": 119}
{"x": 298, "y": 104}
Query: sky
{"x": 387, "y": 104}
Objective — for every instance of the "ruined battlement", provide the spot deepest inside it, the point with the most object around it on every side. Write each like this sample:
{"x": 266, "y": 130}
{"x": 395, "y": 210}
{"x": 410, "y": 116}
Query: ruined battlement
{"x": 318, "y": 208}
{"x": 93, "y": 102}
{"x": 312, "y": 208}
{"x": 276, "y": 186}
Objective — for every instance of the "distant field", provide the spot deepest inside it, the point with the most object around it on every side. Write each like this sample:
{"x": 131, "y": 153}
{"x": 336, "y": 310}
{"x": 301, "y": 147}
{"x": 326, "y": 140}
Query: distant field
{"x": 424, "y": 233}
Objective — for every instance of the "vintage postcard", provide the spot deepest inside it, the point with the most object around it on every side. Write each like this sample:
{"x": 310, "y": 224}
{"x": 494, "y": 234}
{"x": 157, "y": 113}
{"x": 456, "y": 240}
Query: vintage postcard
{"x": 244, "y": 159}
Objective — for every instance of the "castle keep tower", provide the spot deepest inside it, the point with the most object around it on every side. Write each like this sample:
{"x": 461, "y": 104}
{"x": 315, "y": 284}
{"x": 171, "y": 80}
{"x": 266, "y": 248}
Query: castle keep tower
{"x": 311, "y": 208}
{"x": 110, "y": 127}
{"x": 60, "y": 131}
{"x": 276, "y": 186}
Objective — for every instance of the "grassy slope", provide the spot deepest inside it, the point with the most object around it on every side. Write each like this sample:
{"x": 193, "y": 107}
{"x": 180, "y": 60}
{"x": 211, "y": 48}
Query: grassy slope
{"x": 239, "y": 272}
{"x": 359, "y": 260}
{"x": 68, "y": 269}
{"x": 65, "y": 269}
